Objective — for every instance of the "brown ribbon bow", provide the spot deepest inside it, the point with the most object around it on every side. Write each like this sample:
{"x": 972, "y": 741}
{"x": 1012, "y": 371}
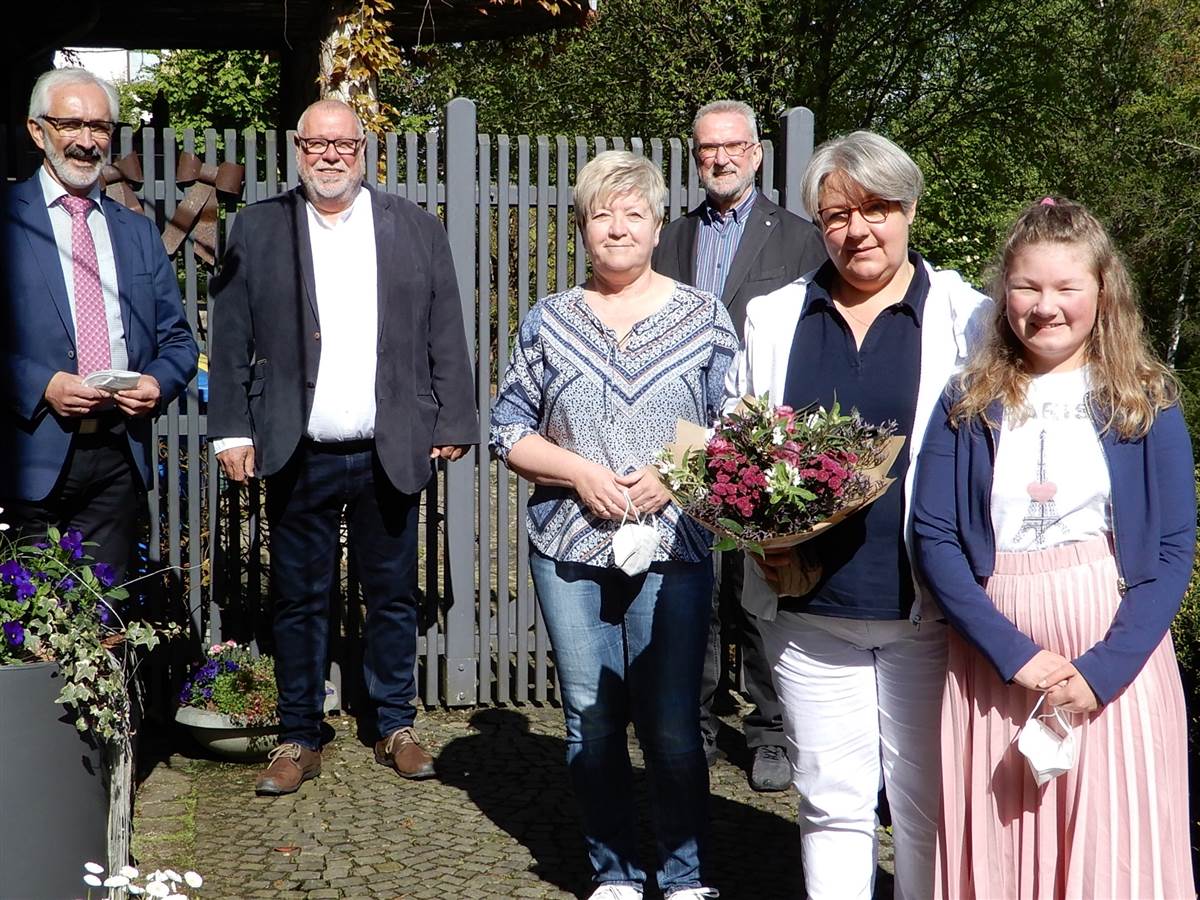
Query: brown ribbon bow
{"x": 197, "y": 214}
{"x": 122, "y": 178}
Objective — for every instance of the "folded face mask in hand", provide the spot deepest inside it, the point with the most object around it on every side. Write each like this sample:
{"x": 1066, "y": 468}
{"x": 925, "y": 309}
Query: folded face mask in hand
{"x": 634, "y": 543}
{"x": 1048, "y": 743}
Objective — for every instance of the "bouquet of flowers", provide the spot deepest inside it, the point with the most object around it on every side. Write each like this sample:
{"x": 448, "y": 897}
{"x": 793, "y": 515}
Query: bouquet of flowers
{"x": 58, "y": 606}
{"x": 234, "y": 682}
{"x": 770, "y": 478}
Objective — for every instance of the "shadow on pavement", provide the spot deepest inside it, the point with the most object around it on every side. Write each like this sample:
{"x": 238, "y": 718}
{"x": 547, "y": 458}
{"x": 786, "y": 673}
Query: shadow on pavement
{"x": 518, "y": 779}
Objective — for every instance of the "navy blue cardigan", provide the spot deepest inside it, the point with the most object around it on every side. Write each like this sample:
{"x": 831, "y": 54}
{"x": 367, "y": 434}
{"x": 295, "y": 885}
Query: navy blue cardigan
{"x": 1154, "y": 529}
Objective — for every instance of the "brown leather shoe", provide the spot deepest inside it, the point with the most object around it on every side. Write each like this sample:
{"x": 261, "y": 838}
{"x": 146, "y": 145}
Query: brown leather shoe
{"x": 401, "y": 751}
{"x": 291, "y": 765}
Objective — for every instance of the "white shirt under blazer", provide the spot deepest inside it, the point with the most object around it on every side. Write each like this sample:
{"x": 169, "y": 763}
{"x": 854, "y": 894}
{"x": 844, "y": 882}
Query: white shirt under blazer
{"x": 953, "y": 324}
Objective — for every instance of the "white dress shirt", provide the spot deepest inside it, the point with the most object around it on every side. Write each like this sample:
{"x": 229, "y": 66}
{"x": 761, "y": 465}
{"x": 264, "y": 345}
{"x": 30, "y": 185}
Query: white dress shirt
{"x": 345, "y": 271}
{"x": 60, "y": 222}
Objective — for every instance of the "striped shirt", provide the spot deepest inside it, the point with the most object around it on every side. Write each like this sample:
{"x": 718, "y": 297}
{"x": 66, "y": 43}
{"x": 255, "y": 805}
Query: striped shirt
{"x": 717, "y": 242}
{"x": 613, "y": 403}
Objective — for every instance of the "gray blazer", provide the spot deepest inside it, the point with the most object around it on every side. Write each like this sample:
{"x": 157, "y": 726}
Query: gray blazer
{"x": 266, "y": 338}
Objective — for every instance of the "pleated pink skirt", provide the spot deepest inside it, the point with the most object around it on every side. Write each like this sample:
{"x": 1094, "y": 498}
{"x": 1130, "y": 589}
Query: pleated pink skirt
{"x": 1116, "y": 825}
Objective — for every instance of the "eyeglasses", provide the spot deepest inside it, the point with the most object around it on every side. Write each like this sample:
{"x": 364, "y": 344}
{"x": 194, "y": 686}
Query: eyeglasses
{"x": 873, "y": 212}
{"x": 733, "y": 149}
{"x": 317, "y": 146}
{"x": 70, "y": 128}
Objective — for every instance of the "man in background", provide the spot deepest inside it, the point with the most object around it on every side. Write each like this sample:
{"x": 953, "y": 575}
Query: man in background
{"x": 738, "y": 245}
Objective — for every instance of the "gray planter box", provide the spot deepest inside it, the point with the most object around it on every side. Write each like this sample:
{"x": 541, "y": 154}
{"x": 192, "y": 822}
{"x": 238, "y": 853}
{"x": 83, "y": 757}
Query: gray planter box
{"x": 51, "y": 778}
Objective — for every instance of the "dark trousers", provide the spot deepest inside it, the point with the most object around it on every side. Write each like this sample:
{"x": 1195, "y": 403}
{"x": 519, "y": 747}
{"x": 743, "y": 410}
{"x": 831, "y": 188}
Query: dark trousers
{"x": 763, "y": 727}
{"x": 97, "y": 494}
{"x": 305, "y": 503}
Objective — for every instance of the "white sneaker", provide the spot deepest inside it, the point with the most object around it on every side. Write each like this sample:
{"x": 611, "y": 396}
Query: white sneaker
{"x": 617, "y": 892}
{"x": 700, "y": 893}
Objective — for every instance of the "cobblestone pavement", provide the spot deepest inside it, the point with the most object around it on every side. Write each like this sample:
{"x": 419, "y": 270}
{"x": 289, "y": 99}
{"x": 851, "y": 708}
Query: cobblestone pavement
{"x": 498, "y": 822}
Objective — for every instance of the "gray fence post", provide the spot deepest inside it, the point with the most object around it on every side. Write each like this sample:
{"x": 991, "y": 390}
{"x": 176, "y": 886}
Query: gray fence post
{"x": 460, "y": 660}
{"x": 796, "y": 127}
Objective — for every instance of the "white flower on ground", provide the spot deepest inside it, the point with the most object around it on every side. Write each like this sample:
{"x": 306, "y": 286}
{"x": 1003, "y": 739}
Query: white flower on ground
{"x": 157, "y": 889}
{"x": 129, "y": 871}
{"x": 94, "y": 868}
{"x": 193, "y": 879}
{"x": 172, "y": 875}
{"x": 135, "y": 890}
{"x": 116, "y": 881}
{"x": 91, "y": 880}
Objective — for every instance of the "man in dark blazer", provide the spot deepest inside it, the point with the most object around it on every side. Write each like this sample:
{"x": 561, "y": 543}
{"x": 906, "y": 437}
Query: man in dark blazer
{"x": 86, "y": 287}
{"x": 738, "y": 245}
{"x": 339, "y": 371}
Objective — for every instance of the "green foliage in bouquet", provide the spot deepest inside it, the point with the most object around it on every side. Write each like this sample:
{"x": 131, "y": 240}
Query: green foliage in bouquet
{"x": 769, "y": 471}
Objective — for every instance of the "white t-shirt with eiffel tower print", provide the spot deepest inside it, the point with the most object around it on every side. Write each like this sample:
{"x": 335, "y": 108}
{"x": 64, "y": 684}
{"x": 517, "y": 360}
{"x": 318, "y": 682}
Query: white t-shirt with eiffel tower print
{"x": 1050, "y": 485}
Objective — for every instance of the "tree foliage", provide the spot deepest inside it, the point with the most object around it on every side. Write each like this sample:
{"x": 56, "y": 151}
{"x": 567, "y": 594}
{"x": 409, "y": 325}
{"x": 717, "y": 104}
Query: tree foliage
{"x": 208, "y": 89}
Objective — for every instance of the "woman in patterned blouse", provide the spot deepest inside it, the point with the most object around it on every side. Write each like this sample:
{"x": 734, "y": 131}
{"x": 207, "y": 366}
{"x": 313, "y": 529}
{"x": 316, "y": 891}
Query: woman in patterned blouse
{"x": 599, "y": 376}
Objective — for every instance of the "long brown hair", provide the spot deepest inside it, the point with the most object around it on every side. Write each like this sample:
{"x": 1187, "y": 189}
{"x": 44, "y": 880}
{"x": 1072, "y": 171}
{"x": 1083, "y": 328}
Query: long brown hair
{"x": 1129, "y": 386}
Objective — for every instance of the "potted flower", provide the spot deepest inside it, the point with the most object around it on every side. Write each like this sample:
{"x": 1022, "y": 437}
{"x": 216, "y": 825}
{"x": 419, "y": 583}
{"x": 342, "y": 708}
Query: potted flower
{"x": 66, "y": 660}
{"x": 228, "y": 702}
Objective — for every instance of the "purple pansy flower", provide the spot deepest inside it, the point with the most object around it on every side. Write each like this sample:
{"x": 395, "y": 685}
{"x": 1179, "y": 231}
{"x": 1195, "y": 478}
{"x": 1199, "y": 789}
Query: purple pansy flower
{"x": 15, "y": 633}
{"x": 67, "y": 584}
{"x": 104, "y": 574}
{"x": 72, "y": 542}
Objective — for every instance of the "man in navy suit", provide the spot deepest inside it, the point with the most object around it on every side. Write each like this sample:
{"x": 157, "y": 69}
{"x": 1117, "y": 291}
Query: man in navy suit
{"x": 86, "y": 286}
{"x": 339, "y": 372}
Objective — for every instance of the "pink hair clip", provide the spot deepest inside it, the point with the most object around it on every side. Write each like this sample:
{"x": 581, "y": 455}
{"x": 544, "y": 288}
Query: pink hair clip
{"x": 1048, "y": 201}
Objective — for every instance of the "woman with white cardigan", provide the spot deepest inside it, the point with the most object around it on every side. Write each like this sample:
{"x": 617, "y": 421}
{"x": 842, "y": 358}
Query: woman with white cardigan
{"x": 858, "y": 658}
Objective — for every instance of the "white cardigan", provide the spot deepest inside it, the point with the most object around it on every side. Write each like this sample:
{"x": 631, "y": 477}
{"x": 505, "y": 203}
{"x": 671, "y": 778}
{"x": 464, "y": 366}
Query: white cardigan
{"x": 953, "y": 322}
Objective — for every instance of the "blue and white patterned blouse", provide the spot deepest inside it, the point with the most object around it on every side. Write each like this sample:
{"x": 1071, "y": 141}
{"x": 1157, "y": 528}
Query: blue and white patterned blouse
{"x": 614, "y": 404}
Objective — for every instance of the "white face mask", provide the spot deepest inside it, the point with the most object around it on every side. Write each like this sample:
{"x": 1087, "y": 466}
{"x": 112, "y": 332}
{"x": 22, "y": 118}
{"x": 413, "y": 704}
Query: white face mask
{"x": 1048, "y": 743}
{"x": 634, "y": 543}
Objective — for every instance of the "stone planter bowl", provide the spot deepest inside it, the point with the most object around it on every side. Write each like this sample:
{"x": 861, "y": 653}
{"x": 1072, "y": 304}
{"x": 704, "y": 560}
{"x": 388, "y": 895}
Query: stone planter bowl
{"x": 215, "y": 732}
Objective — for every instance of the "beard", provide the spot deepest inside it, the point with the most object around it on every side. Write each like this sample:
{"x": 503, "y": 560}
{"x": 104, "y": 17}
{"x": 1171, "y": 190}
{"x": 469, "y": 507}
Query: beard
{"x": 342, "y": 187}
{"x": 725, "y": 191}
{"x": 70, "y": 175}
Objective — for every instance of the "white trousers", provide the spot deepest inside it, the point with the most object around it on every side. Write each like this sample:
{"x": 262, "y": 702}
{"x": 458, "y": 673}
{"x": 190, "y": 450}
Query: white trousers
{"x": 861, "y": 707}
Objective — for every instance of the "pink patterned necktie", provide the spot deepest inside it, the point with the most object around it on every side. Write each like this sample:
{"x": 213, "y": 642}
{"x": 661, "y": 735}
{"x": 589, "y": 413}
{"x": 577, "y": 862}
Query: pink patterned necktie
{"x": 91, "y": 321}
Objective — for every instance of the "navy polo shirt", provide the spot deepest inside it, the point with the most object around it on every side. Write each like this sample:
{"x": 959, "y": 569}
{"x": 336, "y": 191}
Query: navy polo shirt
{"x": 866, "y": 573}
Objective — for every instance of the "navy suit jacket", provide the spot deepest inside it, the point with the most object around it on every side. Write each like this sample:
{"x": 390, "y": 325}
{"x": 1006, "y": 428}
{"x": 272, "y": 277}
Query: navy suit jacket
{"x": 37, "y": 337}
{"x": 266, "y": 338}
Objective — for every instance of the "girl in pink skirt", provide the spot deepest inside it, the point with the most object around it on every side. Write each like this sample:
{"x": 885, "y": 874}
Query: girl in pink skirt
{"x": 1055, "y": 522}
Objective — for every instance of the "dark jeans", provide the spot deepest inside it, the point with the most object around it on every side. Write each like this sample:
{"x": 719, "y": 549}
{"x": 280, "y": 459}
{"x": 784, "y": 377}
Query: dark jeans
{"x": 305, "y": 503}
{"x": 763, "y": 727}
{"x": 97, "y": 494}
{"x": 631, "y": 648}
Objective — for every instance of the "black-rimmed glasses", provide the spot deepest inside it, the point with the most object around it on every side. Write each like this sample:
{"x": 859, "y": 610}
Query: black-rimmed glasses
{"x": 69, "y": 128}
{"x": 317, "y": 146}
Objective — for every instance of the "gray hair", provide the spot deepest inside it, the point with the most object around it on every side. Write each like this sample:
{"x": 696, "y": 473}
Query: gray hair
{"x": 615, "y": 172}
{"x": 872, "y": 162}
{"x": 39, "y": 99}
{"x": 329, "y": 104}
{"x": 728, "y": 106}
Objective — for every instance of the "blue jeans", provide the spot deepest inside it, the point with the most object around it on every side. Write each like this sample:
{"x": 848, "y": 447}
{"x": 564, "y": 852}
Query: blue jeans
{"x": 632, "y": 648}
{"x": 305, "y": 503}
